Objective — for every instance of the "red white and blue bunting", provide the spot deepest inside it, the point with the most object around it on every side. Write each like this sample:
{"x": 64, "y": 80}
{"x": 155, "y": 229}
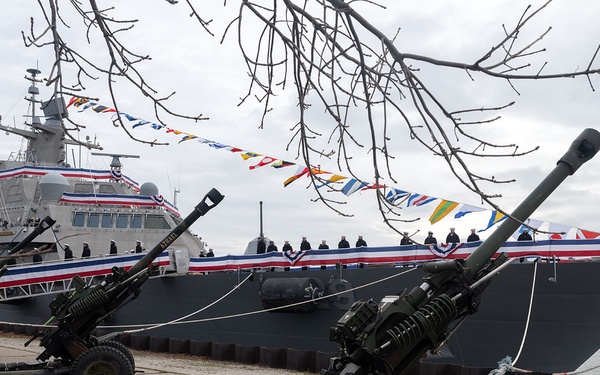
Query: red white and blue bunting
{"x": 120, "y": 200}
{"x": 66, "y": 270}
{"x": 565, "y": 250}
{"x": 70, "y": 173}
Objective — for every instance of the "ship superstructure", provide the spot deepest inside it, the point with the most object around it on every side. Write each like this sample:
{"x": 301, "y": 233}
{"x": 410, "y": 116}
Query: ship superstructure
{"x": 89, "y": 206}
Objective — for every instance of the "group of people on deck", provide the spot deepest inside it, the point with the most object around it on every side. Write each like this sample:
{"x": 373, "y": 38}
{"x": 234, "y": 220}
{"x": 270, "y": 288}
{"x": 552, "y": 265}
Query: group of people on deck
{"x": 452, "y": 237}
{"x": 262, "y": 248}
{"x": 86, "y": 252}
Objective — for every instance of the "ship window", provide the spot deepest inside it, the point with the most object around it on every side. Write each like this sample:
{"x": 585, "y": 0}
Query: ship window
{"x": 78, "y": 219}
{"x": 107, "y": 189}
{"x": 83, "y": 188}
{"x": 156, "y": 222}
{"x": 93, "y": 220}
{"x": 122, "y": 220}
{"x": 107, "y": 220}
{"x": 15, "y": 194}
{"x": 136, "y": 221}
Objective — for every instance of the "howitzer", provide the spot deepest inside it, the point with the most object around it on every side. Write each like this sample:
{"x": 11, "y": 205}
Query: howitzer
{"x": 79, "y": 312}
{"x": 390, "y": 337}
{"x": 46, "y": 223}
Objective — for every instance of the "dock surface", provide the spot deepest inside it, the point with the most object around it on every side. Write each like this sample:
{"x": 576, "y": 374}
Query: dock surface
{"x": 148, "y": 363}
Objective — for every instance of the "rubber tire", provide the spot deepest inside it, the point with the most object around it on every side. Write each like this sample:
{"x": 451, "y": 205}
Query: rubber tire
{"x": 102, "y": 360}
{"x": 122, "y": 348}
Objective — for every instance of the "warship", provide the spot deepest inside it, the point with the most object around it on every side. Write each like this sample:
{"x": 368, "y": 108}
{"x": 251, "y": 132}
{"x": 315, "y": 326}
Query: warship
{"x": 540, "y": 309}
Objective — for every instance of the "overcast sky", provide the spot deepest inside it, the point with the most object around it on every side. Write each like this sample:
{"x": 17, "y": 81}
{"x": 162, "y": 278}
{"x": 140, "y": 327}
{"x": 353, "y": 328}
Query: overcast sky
{"x": 209, "y": 78}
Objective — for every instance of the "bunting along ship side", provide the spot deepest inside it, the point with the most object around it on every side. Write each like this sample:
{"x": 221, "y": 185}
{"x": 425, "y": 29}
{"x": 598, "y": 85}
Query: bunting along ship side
{"x": 273, "y": 300}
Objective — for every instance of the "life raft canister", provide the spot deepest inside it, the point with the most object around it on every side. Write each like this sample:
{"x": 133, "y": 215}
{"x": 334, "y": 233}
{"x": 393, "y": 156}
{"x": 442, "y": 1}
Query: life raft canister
{"x": 279, "y": 292}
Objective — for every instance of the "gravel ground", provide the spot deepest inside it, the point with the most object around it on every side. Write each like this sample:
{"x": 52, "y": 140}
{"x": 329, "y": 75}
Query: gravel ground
{"x": 12, "y": 350}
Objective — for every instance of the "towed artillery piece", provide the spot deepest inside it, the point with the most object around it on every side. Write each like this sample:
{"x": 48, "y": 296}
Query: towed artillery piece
{"x": 71, "y": 344}
{"x": 389, "y": 337}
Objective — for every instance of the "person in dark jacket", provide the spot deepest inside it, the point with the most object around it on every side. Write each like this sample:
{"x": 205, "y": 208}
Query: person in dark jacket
{"x": 138, "y": 246}
{"x": 452, "y": 237}
{"x": 86, "y": 252}
{"x": 272, "y": 247}
{"x": 304, "y": 245}
{"x": 473, "y": 236}
{"x": 113, "y": 248}
{"x": 287, "y": 246}
{"x": 323, "y": 245}
{"x": 360, "y": 242}
{"x": 261, "y": 246}
{"x": 430, "y": 240}
{"x": 405, "y": 239}
{"x": 525, "y": 236}
{"x": 210, "y": 253}
{"x": 343, "y": 244}
{"x": 68, "y": 252}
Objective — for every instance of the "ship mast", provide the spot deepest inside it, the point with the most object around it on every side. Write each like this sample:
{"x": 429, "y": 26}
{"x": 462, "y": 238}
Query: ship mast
{"x": 33, "y": 91}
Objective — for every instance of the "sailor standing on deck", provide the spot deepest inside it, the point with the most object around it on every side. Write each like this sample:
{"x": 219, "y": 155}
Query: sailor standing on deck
{"x": 525, "y": 236}
{"x": 452, "y": 237}
{"x": 68, "y": 252}
{"x": 272, "y": 247}
{"x": 323, "y": 245}
{"x": 261, "y": 246}
{"x": 86, "y": 253}
{"x": 405, "y": 239}
{"x": 113, "y": 248}
{"x": 304, "y": 245}
{"x": 343, "y": 244}
{"x": 138, "y": 246}
{"x": 361, "y": 242}
{"x": 286, "y": 246}
{"x": 430, "y": 240}
{"x": 473, "y": 236}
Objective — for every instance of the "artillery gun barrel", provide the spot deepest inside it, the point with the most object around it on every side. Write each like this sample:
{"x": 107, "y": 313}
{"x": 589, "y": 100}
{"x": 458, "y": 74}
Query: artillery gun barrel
{"x": 46, "y": 223}
{"x": 583, "y": 148}
{"x": 210, "y": 200}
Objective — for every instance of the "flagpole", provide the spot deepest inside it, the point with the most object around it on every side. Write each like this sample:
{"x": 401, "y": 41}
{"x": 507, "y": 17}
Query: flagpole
{"x": 261, "y": 220}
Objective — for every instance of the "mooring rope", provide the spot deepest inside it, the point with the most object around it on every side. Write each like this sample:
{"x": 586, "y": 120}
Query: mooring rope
{"x": 149, "y": 326}
{"x": 193, "y": 313}
{"x": 255, "y": 312}
{"x": 506, "y": 364}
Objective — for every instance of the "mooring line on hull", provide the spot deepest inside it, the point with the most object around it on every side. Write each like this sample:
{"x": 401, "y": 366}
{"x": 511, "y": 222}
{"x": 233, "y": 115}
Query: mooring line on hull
{"x": 174, "y": 321}
{"x": 506, "y": 364}
{"x": 148, "y": 326}
{"x": 528, "y": 313}
{"x": 255, "y": 312}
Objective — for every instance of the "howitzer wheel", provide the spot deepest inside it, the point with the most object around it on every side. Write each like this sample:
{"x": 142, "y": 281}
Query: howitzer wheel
{"x": 102, "y": 360}
{"x": 122, "y": 348}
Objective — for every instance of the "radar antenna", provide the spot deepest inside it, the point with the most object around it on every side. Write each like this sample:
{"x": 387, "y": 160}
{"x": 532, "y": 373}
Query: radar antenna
{"x": 115, "y": 164}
